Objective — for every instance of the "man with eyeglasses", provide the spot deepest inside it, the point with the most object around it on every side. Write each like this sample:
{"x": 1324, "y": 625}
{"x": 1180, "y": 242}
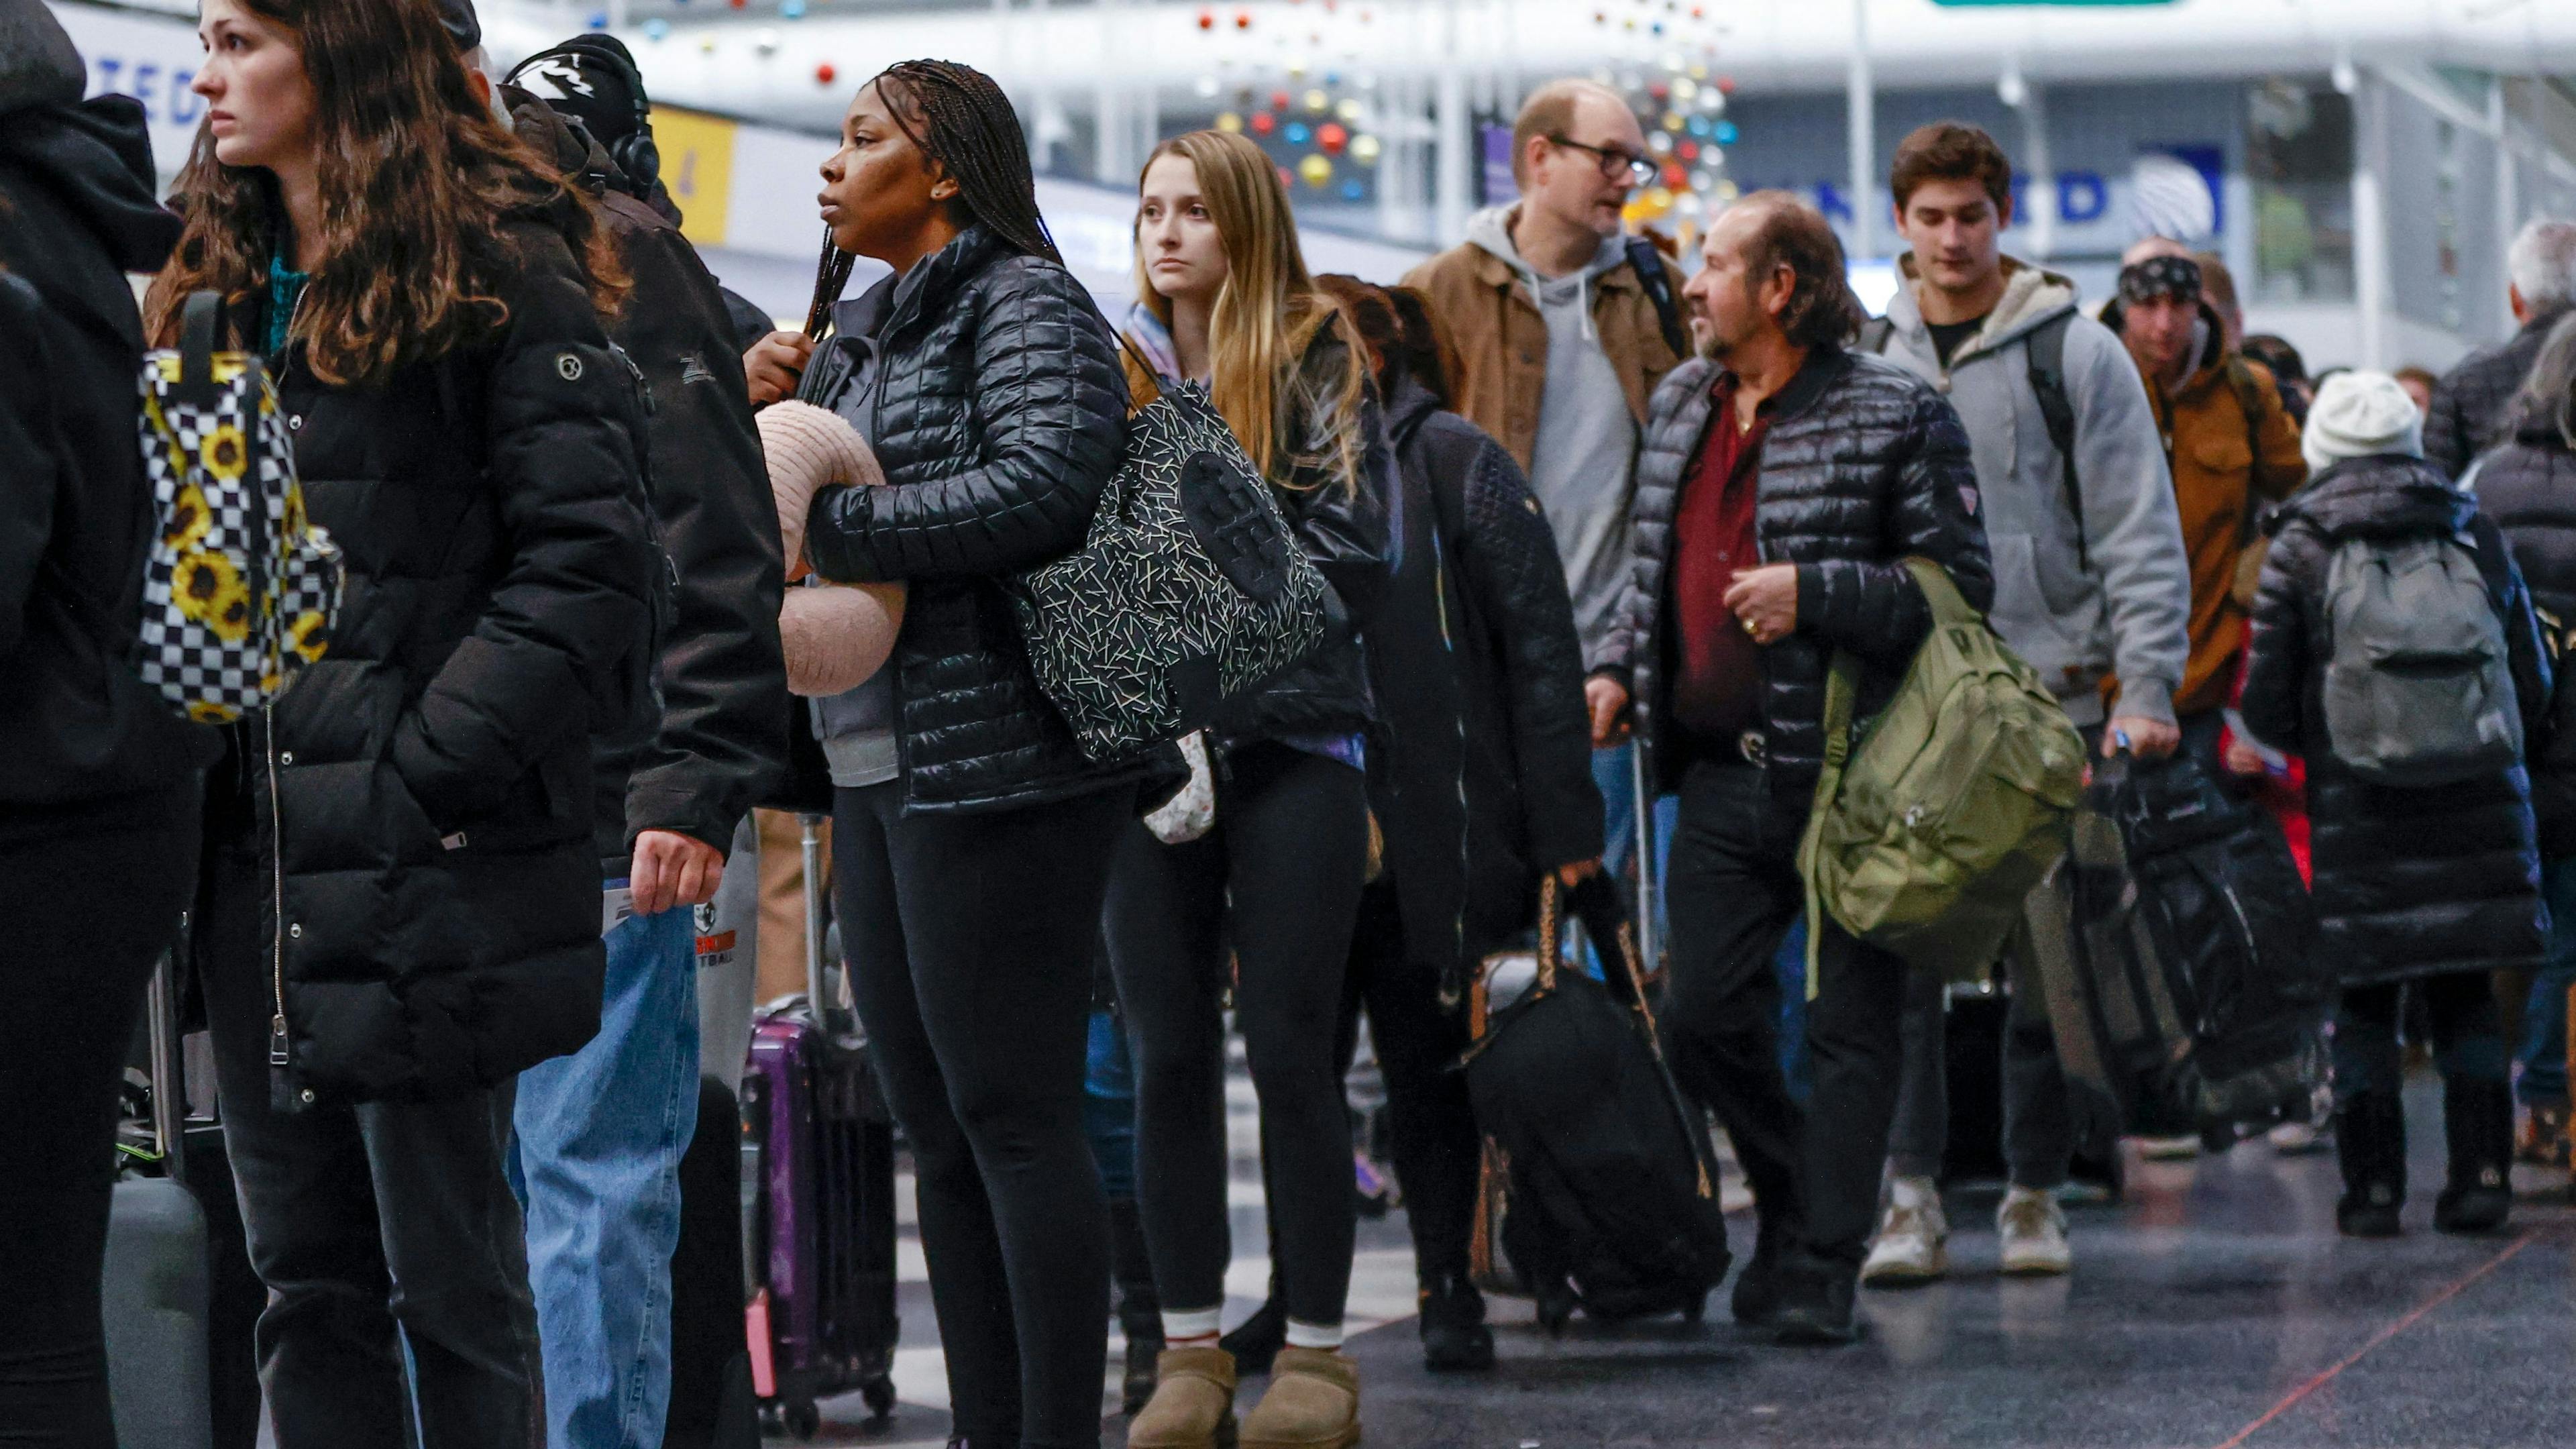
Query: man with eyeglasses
{"x": 1561, "y": 340}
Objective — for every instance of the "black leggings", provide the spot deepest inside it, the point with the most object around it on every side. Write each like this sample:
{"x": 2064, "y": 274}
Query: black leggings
{"x": 970, "y": 945}
{"x": 95, "y": 911}
{"x": 1431, "y": 1120}
{"x": 1279, "y": 879}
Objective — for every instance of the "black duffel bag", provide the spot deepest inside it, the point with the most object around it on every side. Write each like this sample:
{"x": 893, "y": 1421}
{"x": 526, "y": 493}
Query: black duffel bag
{"x": 1599, "y": 1188}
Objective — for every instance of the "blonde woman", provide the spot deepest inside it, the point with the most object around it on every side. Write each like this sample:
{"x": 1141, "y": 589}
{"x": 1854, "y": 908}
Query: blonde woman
{"x": 1225, "y": 301}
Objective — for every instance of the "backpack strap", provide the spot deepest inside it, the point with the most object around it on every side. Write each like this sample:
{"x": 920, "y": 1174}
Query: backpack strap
{"x": 2045, "y": 353}
{"x": 1875, "y": 334}
{"x": 1648, "y": 264}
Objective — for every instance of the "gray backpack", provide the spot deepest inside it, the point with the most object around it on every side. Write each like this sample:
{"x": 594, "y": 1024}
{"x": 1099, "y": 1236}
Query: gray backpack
{"x": 2418, "y": 688}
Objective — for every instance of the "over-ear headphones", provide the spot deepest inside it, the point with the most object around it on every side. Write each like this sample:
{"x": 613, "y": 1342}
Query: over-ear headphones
{"x": 635, "y": 153}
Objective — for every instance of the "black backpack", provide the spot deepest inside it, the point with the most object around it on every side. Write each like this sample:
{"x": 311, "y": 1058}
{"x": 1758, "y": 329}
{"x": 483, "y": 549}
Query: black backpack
{"x": 2193, "y": 996}
{"x": 1599, "y": 1188}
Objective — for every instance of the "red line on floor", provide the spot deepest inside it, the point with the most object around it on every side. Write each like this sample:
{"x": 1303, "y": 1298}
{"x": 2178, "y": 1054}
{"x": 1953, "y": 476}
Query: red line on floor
{"x": 2292, "y": 1400}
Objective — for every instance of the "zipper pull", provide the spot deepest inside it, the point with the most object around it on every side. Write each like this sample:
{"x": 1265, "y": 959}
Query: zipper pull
{"x": 277, "y": 1053}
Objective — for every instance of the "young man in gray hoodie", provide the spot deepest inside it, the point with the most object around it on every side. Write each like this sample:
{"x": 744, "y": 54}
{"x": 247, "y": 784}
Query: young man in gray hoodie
{"x": 1560, "y": 343}
{"x": 2092, "y": 586}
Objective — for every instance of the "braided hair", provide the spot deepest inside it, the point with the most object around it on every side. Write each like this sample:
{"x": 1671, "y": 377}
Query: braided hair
{"x": 958, "y": 117}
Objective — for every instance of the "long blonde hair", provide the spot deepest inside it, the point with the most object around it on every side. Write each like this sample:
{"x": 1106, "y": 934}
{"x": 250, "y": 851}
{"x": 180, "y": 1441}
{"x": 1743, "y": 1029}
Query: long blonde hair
{"x": 1266, "y": 316}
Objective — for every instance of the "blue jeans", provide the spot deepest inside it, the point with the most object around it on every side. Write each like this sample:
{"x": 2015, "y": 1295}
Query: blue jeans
{"x": 1109, "y": 1104}
{"x": 597, "y": 1166}
{"x": 2544, "y": 1018}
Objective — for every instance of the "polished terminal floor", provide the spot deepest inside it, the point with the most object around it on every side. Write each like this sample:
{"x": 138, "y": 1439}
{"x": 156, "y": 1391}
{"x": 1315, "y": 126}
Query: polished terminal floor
{"x": 2213, "y": 1308}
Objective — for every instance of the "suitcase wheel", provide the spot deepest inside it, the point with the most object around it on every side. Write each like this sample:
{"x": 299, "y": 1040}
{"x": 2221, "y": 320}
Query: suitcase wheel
{"x": 878, "y": 1395}
{"x": 802, "y": 1419}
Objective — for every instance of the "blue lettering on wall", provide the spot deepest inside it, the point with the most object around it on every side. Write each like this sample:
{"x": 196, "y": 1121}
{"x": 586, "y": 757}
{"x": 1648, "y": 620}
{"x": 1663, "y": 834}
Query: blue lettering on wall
{"x": 163, "y": 90}
{"x": 2082, "y": 196}
{"x": 185, "y": 104}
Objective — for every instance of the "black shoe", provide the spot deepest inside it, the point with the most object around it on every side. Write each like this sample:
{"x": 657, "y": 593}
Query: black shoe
{"x": 1454, "y": 1336}
{"x": 1258, "y": 1339}
{"x": 1756, "y": 1300}
{"x": 1140, "y": 1312}
{"x": 2370, "y": 1147}
{"x": 1816, "y": 1303}
{"x": 2477, "y": 1128}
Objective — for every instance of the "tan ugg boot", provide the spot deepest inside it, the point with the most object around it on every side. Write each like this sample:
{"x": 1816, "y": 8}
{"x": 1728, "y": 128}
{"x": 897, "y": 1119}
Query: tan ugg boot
{"x": 1193, "y": 1403}
{"x": 1313, "y": 1403}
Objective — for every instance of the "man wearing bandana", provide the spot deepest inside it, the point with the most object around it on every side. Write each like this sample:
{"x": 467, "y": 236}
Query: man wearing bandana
{"x": 2232, "y": 447}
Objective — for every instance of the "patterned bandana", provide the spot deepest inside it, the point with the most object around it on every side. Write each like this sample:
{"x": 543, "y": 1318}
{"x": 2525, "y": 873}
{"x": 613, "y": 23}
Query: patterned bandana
{"x": 2176, "y": 277}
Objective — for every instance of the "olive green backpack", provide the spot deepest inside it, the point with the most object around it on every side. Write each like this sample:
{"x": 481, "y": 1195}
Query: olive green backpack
{"x": 1927, "y": 834}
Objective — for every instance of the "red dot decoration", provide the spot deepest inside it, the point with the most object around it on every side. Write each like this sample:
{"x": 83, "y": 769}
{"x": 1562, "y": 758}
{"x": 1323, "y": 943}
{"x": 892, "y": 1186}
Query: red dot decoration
{"x": 1674, "y": 175}
{"x": 1332, "y": 138}
{"x": 823, "y": 74}
{"x": 1263, "y": 123}
{"x": 1243, "y": 20}
{"x": 1207, "y": 20}
{"x": 1280, "y": 100}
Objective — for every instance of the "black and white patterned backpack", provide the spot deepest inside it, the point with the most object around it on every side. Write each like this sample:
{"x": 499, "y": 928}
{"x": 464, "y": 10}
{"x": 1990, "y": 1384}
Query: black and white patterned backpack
{"x": 1189, "y": 591}
{"x": 240, "y": 589}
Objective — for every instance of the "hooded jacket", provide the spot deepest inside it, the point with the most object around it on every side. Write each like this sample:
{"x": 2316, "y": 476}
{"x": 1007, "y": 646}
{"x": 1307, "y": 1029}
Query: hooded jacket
{"x": 2407, "y": 882}
{"x": 2129, "y": 613}
{"x": 1863, "y": 466}
{"x": 2233, "y": 449}
{"x": 2472, "y": 405}
{"x": 1483, "y": 780}
{"x": 2528, "y": 487}
{"x": 1523, "y": 343}
{"x": 723, "y": 734}
{"x": 88, "y": 745}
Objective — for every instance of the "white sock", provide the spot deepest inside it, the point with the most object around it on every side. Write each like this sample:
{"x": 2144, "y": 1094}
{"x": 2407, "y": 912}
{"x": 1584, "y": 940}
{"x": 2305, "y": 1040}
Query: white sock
{"x": 1185, "y": 1327}
{"x": 1314, "y": 1335}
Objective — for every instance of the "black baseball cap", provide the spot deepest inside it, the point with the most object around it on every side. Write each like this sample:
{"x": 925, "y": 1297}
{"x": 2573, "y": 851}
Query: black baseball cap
{"x": 461, "y": 22}
{"x": 591, "y": 78}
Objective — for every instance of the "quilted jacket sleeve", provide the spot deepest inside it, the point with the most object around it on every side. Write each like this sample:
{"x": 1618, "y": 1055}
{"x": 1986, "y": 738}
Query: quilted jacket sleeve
{"x": 2276, "y": 660}
{"x": 562, "y": 418}
{"x": 2446, "y": 427}
{"x": 1343, "y": 524}
{"x": 1052, "y": 408}
{"x": 1508, "y": 556}
{"x": 1875, "y": 609}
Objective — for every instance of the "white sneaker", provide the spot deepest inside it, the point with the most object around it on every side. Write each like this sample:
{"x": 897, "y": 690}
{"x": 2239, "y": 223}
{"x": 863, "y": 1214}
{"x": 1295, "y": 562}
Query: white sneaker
{"x": 2034, "y": 1232}
{"x": 2293, "y": 1139}
{"x": 2170, "y": 1149}
{"x": 1913, "y": 1237}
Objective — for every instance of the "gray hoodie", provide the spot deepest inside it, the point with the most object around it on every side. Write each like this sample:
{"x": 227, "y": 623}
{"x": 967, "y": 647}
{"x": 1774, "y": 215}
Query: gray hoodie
{"x": 2131, "y": 613}
{"x": 1583, "y": 464}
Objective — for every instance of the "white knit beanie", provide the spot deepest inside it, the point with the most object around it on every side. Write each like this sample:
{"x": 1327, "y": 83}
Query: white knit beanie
{"x": 2360, "y": 415}
{"x": 835, "y": 637}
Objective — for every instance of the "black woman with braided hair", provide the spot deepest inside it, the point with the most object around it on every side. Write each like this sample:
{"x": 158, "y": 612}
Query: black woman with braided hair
{"x": 971, "y": 838}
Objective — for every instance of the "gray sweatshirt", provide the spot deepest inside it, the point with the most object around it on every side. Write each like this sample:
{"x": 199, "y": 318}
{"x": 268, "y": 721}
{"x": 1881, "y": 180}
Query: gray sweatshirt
{"x": 1583, "y": 464}
{"x": 2132, "y": 612}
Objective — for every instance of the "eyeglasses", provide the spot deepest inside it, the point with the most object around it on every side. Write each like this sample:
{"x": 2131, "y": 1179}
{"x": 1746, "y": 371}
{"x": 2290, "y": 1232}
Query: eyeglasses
{"x": 1616, "y": 165}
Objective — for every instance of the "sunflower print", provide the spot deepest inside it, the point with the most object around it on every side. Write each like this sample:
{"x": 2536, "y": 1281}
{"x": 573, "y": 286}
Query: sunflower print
{"x": 190, "y": 520}
{"x": 226, "y": 452}
{"x": 309, "y": 636}
{"x": 208, "y": 712}
{"x": 209, "y": 589}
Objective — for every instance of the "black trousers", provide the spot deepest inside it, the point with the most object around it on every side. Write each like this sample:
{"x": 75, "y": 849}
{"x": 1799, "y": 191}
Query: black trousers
{"x": 377, "y": 1228}
{"x": 1431, "y": 1120}
{"x": 95, "y": 908}
{"x": 970, "y": 944}
{"x": 1279, "y": 880}
{"x": 1731, "y": 891}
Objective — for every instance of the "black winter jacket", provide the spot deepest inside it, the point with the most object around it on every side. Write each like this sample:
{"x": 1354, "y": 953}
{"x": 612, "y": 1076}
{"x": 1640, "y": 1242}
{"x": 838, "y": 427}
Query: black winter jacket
{"x": 2407, "y": 882}
{"x": 998, "y": 413}
{"x": 2470, "y": 407}
{"x": 1482, "y": 779}
{"x": 421, "y": 798}
{"x": 86, "y": 744}
{"x": 1863, "y": 465}
{"x": 723, "y": 680}
{"x": 1343, "y": 526}
{"x": 2528, "y": 487}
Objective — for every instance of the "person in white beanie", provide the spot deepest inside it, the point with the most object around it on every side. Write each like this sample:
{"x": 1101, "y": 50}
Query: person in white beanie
{"x": 2427, "y": 865}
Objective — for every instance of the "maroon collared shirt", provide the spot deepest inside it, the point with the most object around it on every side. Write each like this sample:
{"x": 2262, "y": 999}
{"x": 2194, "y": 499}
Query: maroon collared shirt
{"x": 1717, "y": 679}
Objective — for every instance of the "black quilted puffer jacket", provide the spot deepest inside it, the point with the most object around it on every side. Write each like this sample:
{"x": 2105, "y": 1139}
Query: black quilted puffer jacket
{"x": 2528, "y": 488}
{"x": 2407, "y": 882}
{"x": 998, "y": 412}
{"x": 1863, "y": 465}
{"x": 2470, "y": 407}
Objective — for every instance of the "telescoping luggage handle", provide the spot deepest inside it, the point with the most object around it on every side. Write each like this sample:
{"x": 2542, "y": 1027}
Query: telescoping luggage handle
{"x": 810, "y": 840}
{"x": 169, "y": 1096}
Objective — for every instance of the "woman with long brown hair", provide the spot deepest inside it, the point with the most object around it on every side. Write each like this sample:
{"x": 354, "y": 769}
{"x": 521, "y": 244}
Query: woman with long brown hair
{"x": 1224, "y": 299}
{"x": 399, "y": 907}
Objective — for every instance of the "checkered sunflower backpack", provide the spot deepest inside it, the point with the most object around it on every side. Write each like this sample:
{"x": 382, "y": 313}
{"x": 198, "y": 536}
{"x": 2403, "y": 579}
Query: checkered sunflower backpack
{"x": 240, "y": 590}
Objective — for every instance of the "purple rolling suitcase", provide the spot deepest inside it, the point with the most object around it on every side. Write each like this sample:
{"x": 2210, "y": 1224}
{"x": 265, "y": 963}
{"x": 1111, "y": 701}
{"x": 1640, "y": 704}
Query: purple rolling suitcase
{"x": 818, "y": 1213}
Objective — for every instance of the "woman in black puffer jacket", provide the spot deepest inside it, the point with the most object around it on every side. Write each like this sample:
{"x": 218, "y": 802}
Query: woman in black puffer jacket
{"x": 2528, "y": 487}
{"x": 1225, "y": 296}
{"x": 400, "y": 905}
{"x": 2438, "y": 886}
{"x": 98, "y": 802}
{"x": 971, "y": 838}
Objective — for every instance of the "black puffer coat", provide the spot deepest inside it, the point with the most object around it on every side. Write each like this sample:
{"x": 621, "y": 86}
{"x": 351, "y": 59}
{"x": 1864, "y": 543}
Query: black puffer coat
{"x": 2472, "y": 403}
{"x": 2407, "y": 882}
{"x": 1482, "y": 779}
{"x": 419, "y": 802}
{"x": 998, "y": 413}
{"x": 87, "y": 745}
{"x": 1863, "y": 465}
{"x": 2528, "y": 488}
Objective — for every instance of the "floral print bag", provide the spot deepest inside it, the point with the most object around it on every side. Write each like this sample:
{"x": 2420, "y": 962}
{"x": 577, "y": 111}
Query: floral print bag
{"x": 240, "y": 590}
